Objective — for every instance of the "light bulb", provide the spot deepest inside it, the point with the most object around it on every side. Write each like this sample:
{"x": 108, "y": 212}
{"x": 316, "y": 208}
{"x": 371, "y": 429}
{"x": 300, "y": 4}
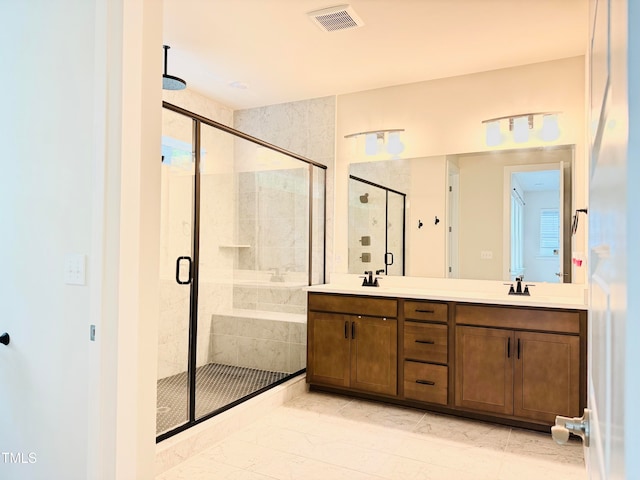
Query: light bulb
{"x": 394, "y": 145}
{"x": 550, "y": 129}
{"x": 494, "y": 137}
{"x": 371, "y": 144}
{"x": 521, "y": 129}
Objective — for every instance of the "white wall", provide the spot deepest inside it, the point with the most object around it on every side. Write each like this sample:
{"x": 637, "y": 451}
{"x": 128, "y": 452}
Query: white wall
{"x": 80, "y": 175}
{"x": 426, "y": 256}
{"x": 47, "y": 139}
{"x": 444, "y": 117}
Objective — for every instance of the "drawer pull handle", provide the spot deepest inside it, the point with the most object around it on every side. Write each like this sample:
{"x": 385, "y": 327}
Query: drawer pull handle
{"x": 425, "y": 382}
{"x": 428, "y": 342}
{"x": 424, "y": 311}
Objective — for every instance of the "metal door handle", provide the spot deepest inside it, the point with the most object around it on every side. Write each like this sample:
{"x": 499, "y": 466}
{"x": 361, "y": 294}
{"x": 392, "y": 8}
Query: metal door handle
{"x": 5, "y": 338}
{"x": 188, "y": 259}
{"x": 386, "y": 256}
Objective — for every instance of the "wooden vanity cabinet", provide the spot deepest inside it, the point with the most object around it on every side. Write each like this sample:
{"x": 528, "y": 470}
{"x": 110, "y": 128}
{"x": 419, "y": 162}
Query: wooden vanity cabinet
{"x": 517, "y": 365}
{"x": 532, "y": 375}
{"x": 425, "y": 375}
{"x": 352, "y": 343}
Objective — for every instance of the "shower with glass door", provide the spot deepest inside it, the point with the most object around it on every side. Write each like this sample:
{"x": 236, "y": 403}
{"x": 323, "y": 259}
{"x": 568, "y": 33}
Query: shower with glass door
{"x": 376, "y": 228}
{"x": 242, "y": 234}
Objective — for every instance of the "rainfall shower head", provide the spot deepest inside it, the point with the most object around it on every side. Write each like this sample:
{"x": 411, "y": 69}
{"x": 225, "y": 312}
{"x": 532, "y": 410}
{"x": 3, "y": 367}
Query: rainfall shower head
{"x": 169, "y": 82}
{"x": 364, "y": 198}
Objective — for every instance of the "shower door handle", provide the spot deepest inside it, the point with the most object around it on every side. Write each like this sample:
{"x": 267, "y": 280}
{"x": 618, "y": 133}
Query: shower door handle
{"x": 188, "y": 281}
{"x": 386, "y": 258}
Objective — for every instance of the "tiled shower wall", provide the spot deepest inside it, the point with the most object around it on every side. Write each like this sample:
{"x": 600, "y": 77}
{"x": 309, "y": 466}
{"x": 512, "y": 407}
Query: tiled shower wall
{"x": 307, "y": 128}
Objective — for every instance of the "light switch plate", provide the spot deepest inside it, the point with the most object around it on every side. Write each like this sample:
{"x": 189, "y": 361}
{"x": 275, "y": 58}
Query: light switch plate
{"x": 75, "y": 269}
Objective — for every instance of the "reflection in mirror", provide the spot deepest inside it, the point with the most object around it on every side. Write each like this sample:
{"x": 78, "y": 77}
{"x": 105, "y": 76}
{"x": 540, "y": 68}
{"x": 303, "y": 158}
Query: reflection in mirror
{"x": 376, "y": 228}
{"x": 503, "y": 214}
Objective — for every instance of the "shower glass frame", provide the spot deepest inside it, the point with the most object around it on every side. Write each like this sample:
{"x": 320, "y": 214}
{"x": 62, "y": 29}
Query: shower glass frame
{"x": 316, "y": 261}
{"x": 403, "y": 197}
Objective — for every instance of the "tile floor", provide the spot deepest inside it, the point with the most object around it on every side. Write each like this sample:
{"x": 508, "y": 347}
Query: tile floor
{"x": 323, "y": 436}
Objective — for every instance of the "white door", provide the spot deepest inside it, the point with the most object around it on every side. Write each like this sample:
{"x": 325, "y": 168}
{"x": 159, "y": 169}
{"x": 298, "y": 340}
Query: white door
{"x": 613, "y": 238}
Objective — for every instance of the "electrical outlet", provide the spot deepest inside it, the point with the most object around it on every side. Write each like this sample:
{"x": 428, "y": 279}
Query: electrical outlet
{"x": 486, "y": 255}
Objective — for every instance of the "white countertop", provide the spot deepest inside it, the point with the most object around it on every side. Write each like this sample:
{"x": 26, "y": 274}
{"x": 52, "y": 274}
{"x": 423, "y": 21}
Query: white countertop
{"x": 474, "y": 291}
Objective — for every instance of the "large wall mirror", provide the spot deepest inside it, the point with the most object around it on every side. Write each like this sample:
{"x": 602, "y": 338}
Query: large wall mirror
{"x": 489, "y": 215}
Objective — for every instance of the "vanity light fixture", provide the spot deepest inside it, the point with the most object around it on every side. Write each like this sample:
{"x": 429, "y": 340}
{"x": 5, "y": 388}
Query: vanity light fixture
{"x": 378, "y": 141}
{"x": 521, "y": 126}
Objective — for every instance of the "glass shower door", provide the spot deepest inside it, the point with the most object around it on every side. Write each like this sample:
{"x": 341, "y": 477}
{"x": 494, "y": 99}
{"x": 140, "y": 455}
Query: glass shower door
{"x": 394, "y": 257}
{"x": 253, "y": 262}
{"x": 176, "y": 244}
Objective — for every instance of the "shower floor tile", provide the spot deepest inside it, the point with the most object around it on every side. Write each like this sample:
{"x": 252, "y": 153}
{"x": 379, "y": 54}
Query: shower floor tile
{"x": 216, "y": 386}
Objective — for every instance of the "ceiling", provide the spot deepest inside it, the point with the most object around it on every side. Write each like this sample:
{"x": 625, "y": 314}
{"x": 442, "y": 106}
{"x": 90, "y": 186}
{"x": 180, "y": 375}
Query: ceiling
{"x": 276, "y": 54}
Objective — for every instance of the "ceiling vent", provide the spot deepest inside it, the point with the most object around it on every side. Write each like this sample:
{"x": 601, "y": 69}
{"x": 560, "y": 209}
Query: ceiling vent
{"x": 340, "y": 17}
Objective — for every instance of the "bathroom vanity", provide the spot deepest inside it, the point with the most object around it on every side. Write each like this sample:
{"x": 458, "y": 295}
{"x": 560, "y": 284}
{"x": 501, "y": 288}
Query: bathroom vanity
{"x": 518, "y": 361}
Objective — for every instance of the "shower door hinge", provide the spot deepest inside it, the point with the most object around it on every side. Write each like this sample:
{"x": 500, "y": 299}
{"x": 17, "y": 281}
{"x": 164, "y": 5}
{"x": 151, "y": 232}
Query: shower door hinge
{"x": 92, "y": 333}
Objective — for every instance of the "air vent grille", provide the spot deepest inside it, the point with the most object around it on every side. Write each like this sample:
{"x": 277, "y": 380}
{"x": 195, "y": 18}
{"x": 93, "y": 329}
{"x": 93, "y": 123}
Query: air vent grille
{"x": 341, "y": 17}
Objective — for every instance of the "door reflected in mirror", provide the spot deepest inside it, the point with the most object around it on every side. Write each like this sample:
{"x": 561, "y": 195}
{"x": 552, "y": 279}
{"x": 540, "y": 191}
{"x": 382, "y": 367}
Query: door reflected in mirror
{"x": 486, "y": 215}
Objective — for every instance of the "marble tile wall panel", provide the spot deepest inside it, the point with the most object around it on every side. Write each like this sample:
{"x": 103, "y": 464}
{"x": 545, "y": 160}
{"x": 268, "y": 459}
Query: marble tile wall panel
{"x": 258, "y": 343}
{"x": 263, "y": 354}
{"x": 306, "y": 128}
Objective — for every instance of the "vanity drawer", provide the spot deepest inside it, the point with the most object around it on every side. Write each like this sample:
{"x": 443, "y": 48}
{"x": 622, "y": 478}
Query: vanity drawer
{"x": 523, "y": 318}
{"x": 429, "y": 311}
{"x": 425, "y": 341}
{"x": 425, "y": 382}
{"x": 356, "y": 305}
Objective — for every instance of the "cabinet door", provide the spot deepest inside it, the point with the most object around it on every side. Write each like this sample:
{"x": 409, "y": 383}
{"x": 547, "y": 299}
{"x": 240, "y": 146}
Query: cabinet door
{"x": 374, "y": 355}
{"x": 546, "y": 376}
{"x": 328, "y": 349}
{"x": 484, "y": 369}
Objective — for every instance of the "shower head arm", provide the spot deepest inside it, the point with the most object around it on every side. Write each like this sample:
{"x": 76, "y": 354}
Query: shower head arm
{"x": 166, "y": 49}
